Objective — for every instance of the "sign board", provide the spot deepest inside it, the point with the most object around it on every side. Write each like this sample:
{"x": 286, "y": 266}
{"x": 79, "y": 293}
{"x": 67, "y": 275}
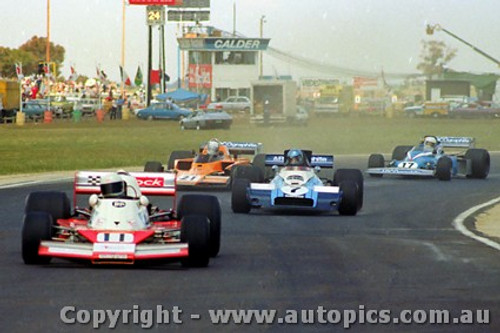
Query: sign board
{"x": 188, "y": 15}
{"x": 200, "y": 76}
{"x": 155, "y": 15}
{"x": 193, "y": 4}
{"x": 224, "y": 44}
{"x": 365, "y": 82}
{"x": 155, "y": 2}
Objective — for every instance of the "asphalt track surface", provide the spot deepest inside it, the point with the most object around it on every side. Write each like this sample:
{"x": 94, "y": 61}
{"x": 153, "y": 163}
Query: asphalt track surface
{"x": 400, "y": 253}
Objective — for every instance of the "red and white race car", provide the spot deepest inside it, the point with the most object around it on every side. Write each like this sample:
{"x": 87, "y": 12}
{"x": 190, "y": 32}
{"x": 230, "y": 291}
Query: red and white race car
{"x": 121, "y": 226}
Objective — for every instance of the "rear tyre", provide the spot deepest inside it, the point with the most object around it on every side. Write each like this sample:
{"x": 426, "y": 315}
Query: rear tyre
{"x": 37, "y": 226}
{"x": 352, "y": 175}
{"x": 239, "y": 197}
{"x": 55, "y": 203}
{"x": 195, "y": 231}
{"x": 251, "y": 172}
{"x": 399, "y": 153}
{"x": 443, "y": 168}
{"x": 259, "y": 161}
{"x": 349, "y": 202}
{"x": 178, "y": 155}
{"x": 153, "y": 166}
{"x": 204, "y": 205}
{"x": 480, "y": 159}
{"x": 376, "y": 161}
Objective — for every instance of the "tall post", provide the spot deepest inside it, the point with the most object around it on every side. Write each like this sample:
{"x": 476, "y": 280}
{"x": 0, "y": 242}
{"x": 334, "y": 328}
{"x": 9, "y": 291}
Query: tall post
{"x": 123, "y": 50}
{"x": 262, "y": 20}
{"x": 47, "y": 45}
{"x": 150, "y": 60}
{"x": 234, "y": 19}
{"x": 163, "y": 58}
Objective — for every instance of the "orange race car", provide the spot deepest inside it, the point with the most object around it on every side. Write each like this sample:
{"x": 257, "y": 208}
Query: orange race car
{"x": 211, "y": 166}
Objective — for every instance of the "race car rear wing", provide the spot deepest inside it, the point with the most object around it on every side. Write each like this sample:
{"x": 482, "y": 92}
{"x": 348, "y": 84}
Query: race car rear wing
{"x": 323, "y": 161}
{"x": 150, "y": 183}
{"x": 456, "y": 142}
{"x": 239, "y": 148}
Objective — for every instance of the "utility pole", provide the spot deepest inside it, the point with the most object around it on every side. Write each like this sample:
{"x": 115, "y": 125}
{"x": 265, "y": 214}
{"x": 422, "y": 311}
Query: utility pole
{"x": 123, "y": 51}
{"x": 47, "y": 45}
{"x": 262, "y": 21}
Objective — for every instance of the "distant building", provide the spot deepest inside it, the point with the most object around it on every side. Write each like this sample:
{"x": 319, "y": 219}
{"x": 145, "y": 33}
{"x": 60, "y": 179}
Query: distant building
{"x": 219, "y": 64}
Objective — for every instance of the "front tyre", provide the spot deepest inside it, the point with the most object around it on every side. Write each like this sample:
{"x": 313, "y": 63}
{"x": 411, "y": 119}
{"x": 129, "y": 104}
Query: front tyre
{"x": 351, "y": 175}
{"x": 195, "y": 231}
{"x": 480, "y": 163}
{"x": 37, "y": 226}
{"x": 443, "y": 168}
{"x": 349, "y": 201}
{"x": 376, "y": 161}
{"x": 239, "y": 197}
{"x": 208, "y": 206}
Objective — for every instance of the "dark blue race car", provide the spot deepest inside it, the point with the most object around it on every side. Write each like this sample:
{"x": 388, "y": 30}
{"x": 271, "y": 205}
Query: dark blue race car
{"x": 293, "y": 180}
{"x": 429, "y": 159}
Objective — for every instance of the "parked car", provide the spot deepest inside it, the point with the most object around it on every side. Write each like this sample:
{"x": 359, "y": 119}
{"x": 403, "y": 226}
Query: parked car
{"x": 34, "y": 109}
{"x": 61, "y": 106}
{"x": 203, "y": 119}
{"x": 232, "y": 104}
{"x": 476, "y": 110}
{"x": 88, "y": 106}
{"x": 162, "y": 110}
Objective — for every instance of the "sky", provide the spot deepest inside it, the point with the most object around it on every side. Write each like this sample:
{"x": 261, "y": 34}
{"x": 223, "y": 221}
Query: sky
{"x": 368, "y": 35}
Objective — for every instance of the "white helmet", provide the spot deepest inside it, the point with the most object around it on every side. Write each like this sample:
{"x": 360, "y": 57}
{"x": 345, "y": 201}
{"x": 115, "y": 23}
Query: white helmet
{"x": 113, "y": 186}
{"x": 212, "y": 147}
{"x": 430, "y": 142}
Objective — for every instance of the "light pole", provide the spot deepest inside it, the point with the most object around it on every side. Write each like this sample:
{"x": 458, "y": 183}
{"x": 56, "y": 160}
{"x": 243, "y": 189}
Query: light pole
{"x": 262, "y": 21}
{"x": 436, "y": 27}
{"x": 47, "y": 45}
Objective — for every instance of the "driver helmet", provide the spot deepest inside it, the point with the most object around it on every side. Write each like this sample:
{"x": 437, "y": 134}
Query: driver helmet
{"x": 212, "y": 147}
{"x": 430, "y": 142}
{"x": 295, "y": 157}
{"x": 113, "y": 186}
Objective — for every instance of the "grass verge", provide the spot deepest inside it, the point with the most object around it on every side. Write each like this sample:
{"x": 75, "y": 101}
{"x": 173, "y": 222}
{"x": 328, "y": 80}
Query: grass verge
{"x": 65, "y": 145}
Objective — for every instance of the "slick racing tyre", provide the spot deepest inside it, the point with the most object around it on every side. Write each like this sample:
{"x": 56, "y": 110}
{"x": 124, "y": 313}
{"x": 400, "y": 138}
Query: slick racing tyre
{"x": 178, "y": 155}
{"x": 37, "y": 226}
{"x": 55, "y": 203}
{"x": 480, "y": 159}
{"x": 153, "y": 166}
{"x": 204, "y": 205}
{"x": 354, "y": 175}
{"x": 349, "y": 203}
{"x": 259, "y": 161}
{"x": 443, "y": 168}
{"x": 376, "y": 161}
{"x": 251, "y": 172}
{"x": 195, "y": 230}
{"x": 239, "y": 197}
{"x": 399, "y": 153}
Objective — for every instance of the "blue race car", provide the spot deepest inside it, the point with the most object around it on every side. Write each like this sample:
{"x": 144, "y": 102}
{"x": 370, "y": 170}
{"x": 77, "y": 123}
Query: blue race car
{"x": 296, "y": 184}
{"x": 428, "y": 159}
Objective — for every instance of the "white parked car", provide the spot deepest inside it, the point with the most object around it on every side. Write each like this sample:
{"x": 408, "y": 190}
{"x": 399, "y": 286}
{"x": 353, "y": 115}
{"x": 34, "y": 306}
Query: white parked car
{"x": 232, "y": 104}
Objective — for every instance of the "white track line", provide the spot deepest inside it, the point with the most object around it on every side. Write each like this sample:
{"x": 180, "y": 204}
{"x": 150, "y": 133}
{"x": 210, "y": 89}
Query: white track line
{"x": 458, "y": 223}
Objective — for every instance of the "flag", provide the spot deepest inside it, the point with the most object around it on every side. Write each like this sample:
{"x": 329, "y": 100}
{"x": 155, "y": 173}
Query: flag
{"x": 19, "y": 71}
{"x": 138, "y": 77}
{"x": 101, "y": 75}
{"x": 124, "y": 77}
{"x": 74, "y": 75}
{"x": 155, "y": 76}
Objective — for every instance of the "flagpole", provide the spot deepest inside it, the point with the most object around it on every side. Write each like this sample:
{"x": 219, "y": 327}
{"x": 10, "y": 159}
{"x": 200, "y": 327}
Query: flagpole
{"x": 123, "y": 48}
